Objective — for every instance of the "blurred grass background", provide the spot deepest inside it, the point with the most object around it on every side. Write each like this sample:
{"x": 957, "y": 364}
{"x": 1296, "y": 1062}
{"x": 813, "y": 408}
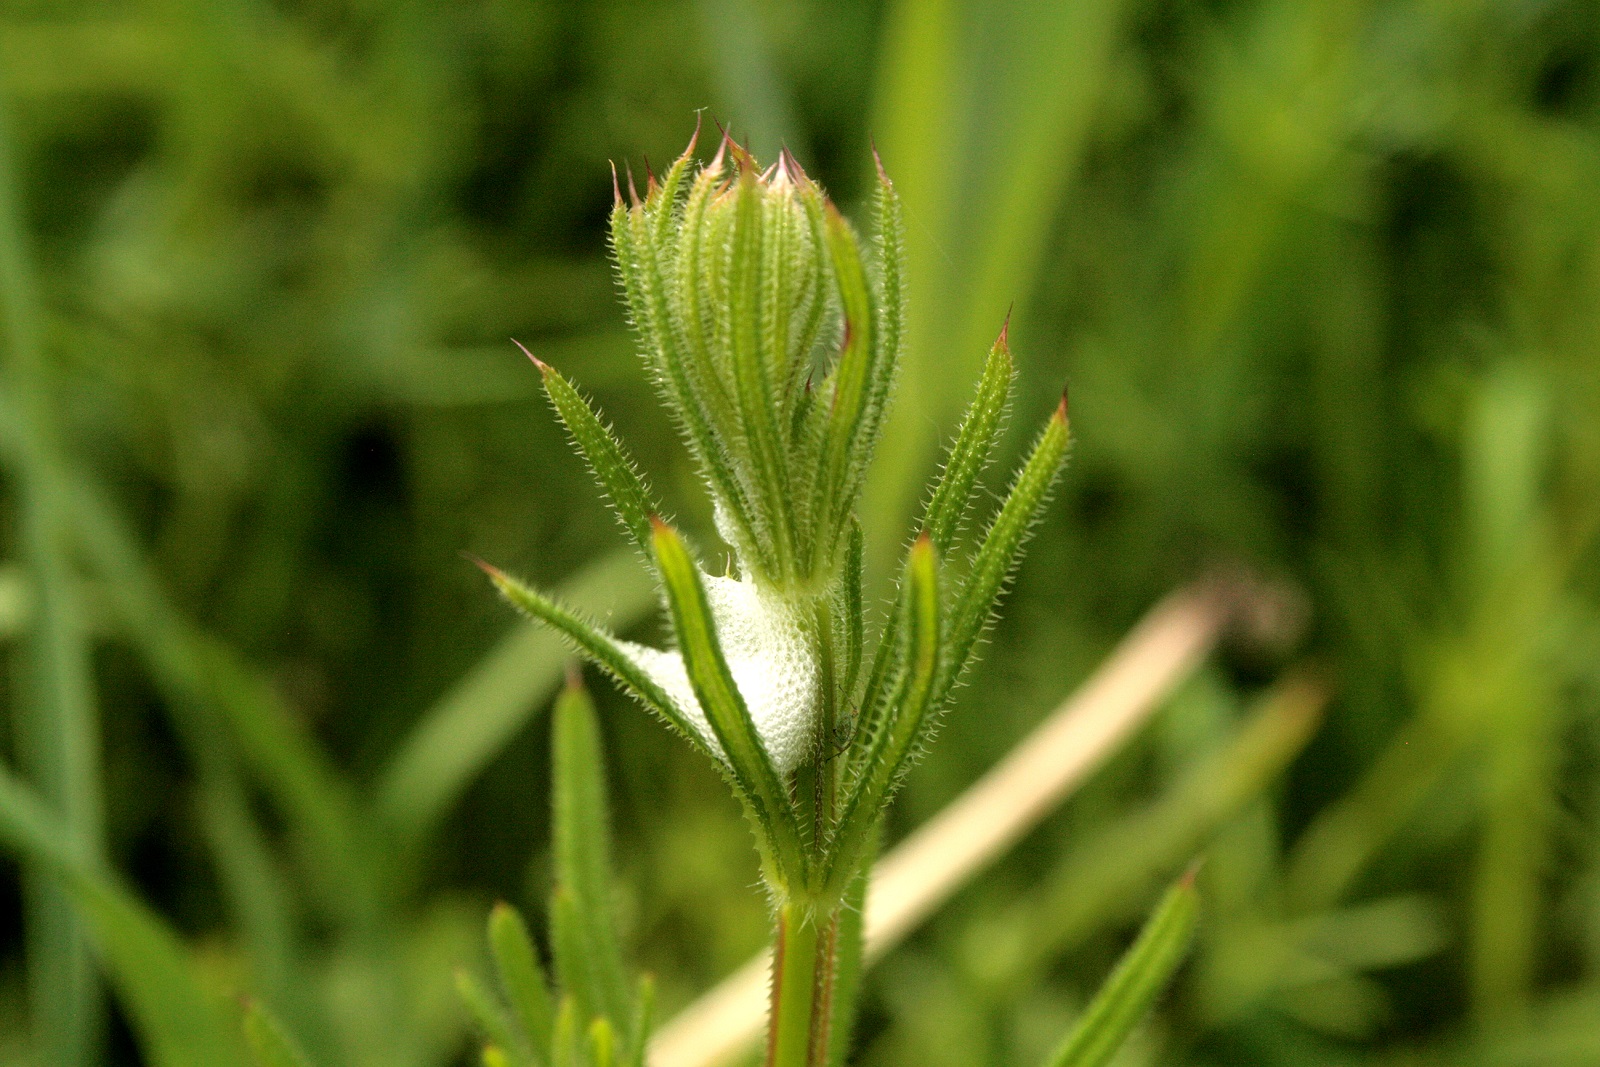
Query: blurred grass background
{"x": 1324, "y": 276}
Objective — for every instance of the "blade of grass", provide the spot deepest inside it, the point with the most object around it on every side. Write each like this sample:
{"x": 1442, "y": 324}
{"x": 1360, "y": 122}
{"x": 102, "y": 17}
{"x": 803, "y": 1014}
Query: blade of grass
{"x": 270, "y": 1044}
{"x": 57, "y": 721}
{"x": 1140, "y": 976}
{"x": 200, "y": 675}
{"x": 177, "y": 1014}
{"x": 1126, "y": 860}
{"x": 259, "y": 899}
{"x": 466, "y": 728}
{"x": 1040, "y": 68}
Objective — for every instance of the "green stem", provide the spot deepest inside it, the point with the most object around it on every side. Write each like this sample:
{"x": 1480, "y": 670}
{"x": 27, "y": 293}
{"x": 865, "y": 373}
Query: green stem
{"x": 805, "y": 953}
{"x": 802, "y": 987}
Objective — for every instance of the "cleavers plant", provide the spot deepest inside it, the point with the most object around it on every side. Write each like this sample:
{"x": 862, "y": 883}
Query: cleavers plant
{"x": 772, "y": 331}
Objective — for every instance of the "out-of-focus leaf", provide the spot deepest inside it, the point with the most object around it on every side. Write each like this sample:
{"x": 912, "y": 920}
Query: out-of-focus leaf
{"x": 591, "y": 965}
{"x": 458, "y": 736}
{"x": 56, "y": 719}
{"x": 177, "y": 1013}
{"x": 521, "y": 975}
{"x": 491, "y": 1015}
{"x": 1140, "y": 977}
{"x": 269, "y": 1043}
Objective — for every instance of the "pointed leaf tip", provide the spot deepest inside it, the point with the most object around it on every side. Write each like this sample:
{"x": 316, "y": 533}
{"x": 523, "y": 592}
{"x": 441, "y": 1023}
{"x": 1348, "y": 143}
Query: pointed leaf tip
{"x": 877, "y": 161}
{"x": 1062, "y": 409}
{"x": 1005, "y": 329}
{"x": 694, "y": 138}
{"x": 616, "y": 187}
{"x": 495, "y": 574}
{"x": 574, "y": 683}
{"x": 719, "y": 160}
{"x": 544, "y": 368}
{"x": 633, "y": 191}
{"x": 1187, "y": 879}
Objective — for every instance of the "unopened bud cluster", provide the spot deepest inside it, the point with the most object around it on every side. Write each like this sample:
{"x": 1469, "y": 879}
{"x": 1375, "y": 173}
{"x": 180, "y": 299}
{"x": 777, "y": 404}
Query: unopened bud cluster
{"x": 770, "y": 345}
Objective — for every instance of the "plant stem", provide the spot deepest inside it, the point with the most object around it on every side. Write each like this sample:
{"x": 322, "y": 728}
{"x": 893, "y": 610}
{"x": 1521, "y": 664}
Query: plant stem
{"x": 805, "y": 951}
{"x": 793, "y": 988}
{"x": 802, "y": 987}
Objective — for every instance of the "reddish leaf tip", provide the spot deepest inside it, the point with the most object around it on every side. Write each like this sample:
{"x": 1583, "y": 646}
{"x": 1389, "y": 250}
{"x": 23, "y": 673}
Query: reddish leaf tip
{"x": 1188, "y": 877}
{"x": 574, "y": 676}
{"x": 877, "y": 161}
{"x": 1005, "y": 329}
{"x": 616, "y": 188}
{"x": 694, "y": 138}
{"x": 544, "y": 368}
{"x": 1063, "y": 409}
{"x": 495, "y": 574}
{"x": 633, "y": 192}
{"x": 719, "y": 161}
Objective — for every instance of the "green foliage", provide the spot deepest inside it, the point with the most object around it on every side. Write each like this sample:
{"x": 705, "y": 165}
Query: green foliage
{"x": 270, "y": 1046}
{"x": 177, "y": 1013}
{"x": 600, "y": 1023}
{"x": 1140, "y": 975}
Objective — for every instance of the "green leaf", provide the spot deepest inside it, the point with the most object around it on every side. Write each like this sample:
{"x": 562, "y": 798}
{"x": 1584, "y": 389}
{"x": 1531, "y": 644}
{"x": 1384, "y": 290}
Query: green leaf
{"x": 201, "y": 677}
{"x": 269, "y": 1044}
{"x": 600, "y": 647}
{"x": 693, "y": 395}
{"x": 176, "y": 1012}
{"x": 521, "y": 976}
{"x": 490, "y": 1014}
{"x": 258, "y": 895}
{"x": 849, "y": 388}
{"x": 853, "y": 612}
{"x": 749, "y": 766}
{"x": 583, "y": 864}
{"x": 889, "y": 305}
{"x": 564, "y": 1050}
{"x": 601, "y": 1049}
{"x": 887, "y": 749}
{"x": 662, "y": 200}
{"x": 643, "y": 1019}
{"x": 1140, "y": 976}
{"x": 968, "y": 456}
{"x": 969, "y": 453}
{"x": 465, "y": 729}
{"x": 613, "y": 467}
{"x": 997, "y": 555}
{"x": 758, "y": 406}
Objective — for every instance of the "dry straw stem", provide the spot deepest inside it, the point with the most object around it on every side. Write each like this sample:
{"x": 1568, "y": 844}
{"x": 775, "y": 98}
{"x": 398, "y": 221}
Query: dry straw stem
{"x": 938, "y": 858}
